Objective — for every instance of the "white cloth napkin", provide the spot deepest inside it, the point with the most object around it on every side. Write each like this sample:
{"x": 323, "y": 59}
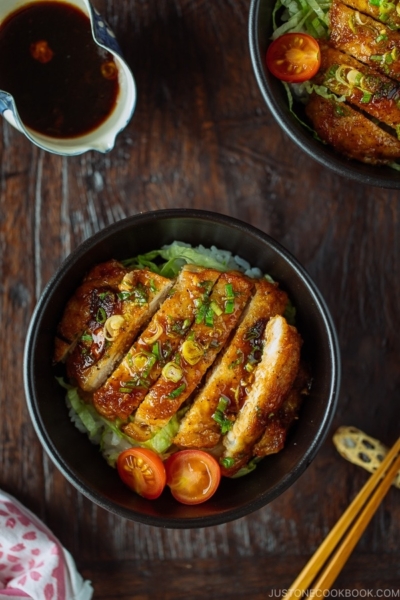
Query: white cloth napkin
{"x": 33, "y": 564}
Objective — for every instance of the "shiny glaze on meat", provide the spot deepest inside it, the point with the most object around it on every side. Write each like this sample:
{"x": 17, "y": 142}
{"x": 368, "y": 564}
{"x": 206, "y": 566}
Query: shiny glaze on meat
{"x": 384, "y": 100}
{"x": 274, "y": 436}
{"x": 350, "y": 132}
{"x": 129, "y": 383}
{"x": 82, "y": 307}
{"x": 391, "y": 17}
{"x": 274, "y": 377}
{"x": 361, "y": 39}
{"x": 163, "y": 400}
{"x": 135, "y": 299}
{"x": 234, "y": 373}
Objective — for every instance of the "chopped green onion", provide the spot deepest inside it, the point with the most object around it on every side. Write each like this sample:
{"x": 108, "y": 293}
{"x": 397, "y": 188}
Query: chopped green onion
{"x": 209, "y": 317}
{"x": 143, "y": 362}
{"x": 366, "y": 97}
{"x": 229, "y": 307}
{"x": 104, "y": 295}
{"x": 87, "y": 337}
{"x": 172, "y": 372}
{"x": 229, "y": 295}
{"x": 192, "y": 352}
{"x": 156, "y": 350}
{"x": 178, "y": 391}
{"x": 223, "y": 421}
{"x": 138, "y": 295}
{"x": 238, "y": 361}
{"x": 124, "y": 296}
{"x": 255, "y": 331}
{"x": 223, "y": 403}
{"x": 219, "y": 416}
{"x": 201, "y": 314}
{"x": 227, "y": 462}
{"x": 216, "y": 308}
{"x": 381, "y": 38}
{"x": 101, "y": 316}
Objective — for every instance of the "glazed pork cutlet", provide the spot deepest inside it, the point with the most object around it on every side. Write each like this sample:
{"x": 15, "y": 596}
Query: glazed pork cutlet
{"x": 129, "y": 383}
{"x": 116, "y": 316}
{"x": 386, "y": 12}
{"x": 273, "y": 379}
{"x": 363, "y": 87}
{"x": 350, "y": 132}
{"x": 214, "y": 322}
{"x": 84, "y": 304}
{"x": 274, "y": 436}
{"x": 225, "y": 390}
{"x": 367, "y": 40}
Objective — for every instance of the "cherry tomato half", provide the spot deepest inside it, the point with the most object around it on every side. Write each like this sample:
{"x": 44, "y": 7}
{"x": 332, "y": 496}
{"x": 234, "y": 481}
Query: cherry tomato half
{"x": 192, "y": 475}
{"x": 143, "y": 471}
{"x": 294, "y": 57}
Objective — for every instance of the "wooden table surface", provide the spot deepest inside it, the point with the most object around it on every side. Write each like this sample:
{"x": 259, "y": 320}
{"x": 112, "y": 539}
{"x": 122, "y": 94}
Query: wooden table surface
{"x": 202, "y": 137}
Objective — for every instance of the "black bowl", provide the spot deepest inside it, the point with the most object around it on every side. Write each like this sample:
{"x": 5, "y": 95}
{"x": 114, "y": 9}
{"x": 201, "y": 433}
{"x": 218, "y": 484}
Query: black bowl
{"x": 260, "y": 31}
{"x": 81, "y": 462}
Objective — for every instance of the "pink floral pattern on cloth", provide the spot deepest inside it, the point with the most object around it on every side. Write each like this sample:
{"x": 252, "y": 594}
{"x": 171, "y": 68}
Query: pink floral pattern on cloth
{"x": 33, "y": 564}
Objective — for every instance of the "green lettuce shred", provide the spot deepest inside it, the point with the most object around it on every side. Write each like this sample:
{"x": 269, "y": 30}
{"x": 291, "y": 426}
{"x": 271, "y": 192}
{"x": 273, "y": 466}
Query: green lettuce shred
{"x": 293, "y": 112}
{"x": 290, "y": 313}
{"x": 107, "y": 433}
{"x": 251, "y": 465}
{"x": 302, "y": 16}
{"x": 176, "y": 255}
{"x": 162, "y": 441}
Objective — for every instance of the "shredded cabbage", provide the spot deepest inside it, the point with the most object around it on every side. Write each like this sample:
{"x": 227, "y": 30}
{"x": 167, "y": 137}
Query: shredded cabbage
{"x": 107, "y": 434}
{"x": 305, "y": 16}
{"x": 174, "y": 256}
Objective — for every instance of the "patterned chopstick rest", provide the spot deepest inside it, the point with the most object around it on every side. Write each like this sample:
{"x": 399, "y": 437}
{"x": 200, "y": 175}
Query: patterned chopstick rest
{"x": 361, "y": 449}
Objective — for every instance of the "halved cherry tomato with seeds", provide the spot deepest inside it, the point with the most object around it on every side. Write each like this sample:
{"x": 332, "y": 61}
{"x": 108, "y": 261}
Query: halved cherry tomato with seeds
{"x": 192, "y": 475}
{"x": 294, "y": 57}
{"x": 143, "y": 471}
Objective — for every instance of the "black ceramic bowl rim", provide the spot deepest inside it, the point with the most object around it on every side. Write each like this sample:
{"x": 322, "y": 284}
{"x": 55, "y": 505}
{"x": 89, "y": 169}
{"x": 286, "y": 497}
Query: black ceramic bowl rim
{"x": 32, "y": 399}
{"x": 379, "y": 176}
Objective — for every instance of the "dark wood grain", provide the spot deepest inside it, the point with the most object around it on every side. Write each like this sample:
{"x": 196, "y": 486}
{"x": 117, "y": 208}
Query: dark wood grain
{"x": 201, "y": 137}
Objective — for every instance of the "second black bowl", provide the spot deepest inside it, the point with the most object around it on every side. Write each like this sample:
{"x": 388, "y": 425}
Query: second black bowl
{"x": 260, "y": 31}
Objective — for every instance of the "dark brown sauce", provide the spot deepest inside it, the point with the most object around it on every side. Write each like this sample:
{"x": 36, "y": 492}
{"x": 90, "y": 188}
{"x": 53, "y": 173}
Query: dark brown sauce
{"x": 63, "y": 83}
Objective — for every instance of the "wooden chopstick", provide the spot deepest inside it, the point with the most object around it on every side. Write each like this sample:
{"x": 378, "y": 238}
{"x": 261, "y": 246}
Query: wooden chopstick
{"x": 366, "y": 501}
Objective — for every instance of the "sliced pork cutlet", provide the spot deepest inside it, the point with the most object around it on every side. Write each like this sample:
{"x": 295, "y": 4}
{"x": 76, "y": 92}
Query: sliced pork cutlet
{"x": 274, "y": 377}
{"x": 225, "y": 389}
{"x": 129, "y": 383}
{"x": 375, "y": 94}
{"x": 116, "y": 318}
{"x": 274, "y": 436}
{"x": 84, "y": 304}
{"x": 370, "y": 41}
{"x": 350, "y": 132}
{"x": 386, "y": 12}
{"x": 214, "y": 322}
